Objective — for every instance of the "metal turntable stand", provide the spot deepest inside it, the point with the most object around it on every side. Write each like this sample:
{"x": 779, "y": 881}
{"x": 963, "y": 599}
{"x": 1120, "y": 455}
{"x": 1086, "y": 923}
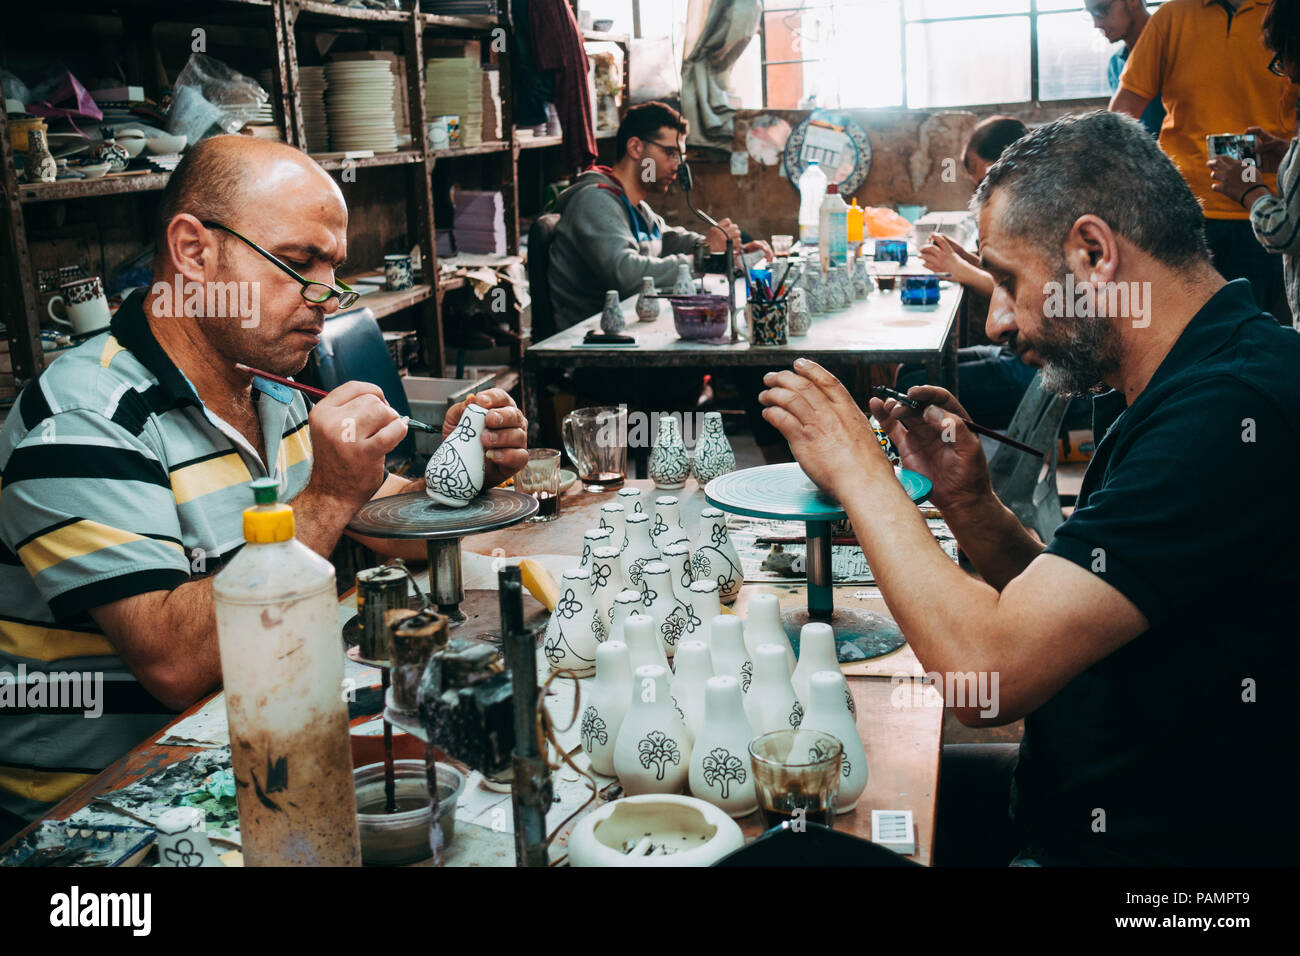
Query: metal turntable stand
{"x": 415, "y": 515}
{"x": 785, "y": 493}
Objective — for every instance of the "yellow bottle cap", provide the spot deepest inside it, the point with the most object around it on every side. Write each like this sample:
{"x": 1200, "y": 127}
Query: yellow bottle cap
{"x": 267, "y": 524}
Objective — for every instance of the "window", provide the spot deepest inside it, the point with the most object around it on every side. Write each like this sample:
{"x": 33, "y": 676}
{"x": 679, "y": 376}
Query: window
{"x": 843, "y": 54}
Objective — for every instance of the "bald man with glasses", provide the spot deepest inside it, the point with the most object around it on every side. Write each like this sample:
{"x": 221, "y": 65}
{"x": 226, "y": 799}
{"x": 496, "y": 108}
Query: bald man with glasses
{"x": 126, "y": 464}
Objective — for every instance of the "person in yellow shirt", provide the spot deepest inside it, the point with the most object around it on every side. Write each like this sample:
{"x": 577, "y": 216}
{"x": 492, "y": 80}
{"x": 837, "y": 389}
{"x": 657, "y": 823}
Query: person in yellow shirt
{"x": 1207, "y": 61}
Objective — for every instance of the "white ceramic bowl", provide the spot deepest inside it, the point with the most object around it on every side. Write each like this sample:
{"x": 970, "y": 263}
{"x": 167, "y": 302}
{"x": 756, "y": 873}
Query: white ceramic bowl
{"x": 703, "y": 833}
{"x": 131, "y": 140}
{"x": 163, "y": 145}
{"x": 93, "y": 171}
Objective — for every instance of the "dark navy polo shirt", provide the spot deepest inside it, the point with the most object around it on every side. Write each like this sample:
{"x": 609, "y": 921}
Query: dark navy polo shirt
{"x": 1182, "y": 746}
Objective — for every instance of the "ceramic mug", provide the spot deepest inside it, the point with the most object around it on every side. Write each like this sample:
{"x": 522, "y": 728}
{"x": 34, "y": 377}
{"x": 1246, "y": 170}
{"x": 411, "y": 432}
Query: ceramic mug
{"x": 84, "y": 302}
{"x": 397, "y": 272}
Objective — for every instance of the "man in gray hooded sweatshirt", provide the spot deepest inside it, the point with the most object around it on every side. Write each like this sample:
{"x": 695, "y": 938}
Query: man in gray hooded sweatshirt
{"x": 609, "y": 237}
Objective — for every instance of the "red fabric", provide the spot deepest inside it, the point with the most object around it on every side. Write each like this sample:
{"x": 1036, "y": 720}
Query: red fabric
{"x": 557, "y": 45}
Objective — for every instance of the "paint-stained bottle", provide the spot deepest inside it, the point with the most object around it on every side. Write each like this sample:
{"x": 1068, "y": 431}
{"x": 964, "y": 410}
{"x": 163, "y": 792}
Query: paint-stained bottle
{"x": 282, "y": 667}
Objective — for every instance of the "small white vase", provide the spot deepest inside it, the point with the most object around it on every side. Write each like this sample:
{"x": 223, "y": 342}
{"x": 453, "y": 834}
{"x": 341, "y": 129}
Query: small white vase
{"x": 694, "y": 667}
{"x": 861, "y": 278}
{"x": 570, "y": 642}
{"x": 685, "y": 284}
{"x": 763, "y": 626}
{"x": 454, "y": 475}
{"x": 669, "y": 465}
{"x": 816, "y": 653}
{"x": 606, "y": 582}
{"x": 827, "y": 712}
{"x": 647, "y": 306}
{"x": 626, "y": 603}
{"x": 611, "y": 317}
{"x": 771, "y": 702}
{"x": 613, "y": 517}
{"x": 659, "y": 602}
{"x": 721, "y": 772}
{"x": 800, "y": 320}
{"x": 668, "y": 527}
{"x": 727, "y": 645}
{"x": 683, "y": 621}
{"x": 593, "y": 539}
{"x": 638, "y": 551}
{"x": 715, "y": 556}
{"x": 607, "y": 697}
{"x": 181, "y": 840}
{"x": 632, "y": 501}
{"x": 643, "y": 644}
{"x": 705, "y": 603}
{"x": 713, "y": 453}
{"x": 653, "y": 754}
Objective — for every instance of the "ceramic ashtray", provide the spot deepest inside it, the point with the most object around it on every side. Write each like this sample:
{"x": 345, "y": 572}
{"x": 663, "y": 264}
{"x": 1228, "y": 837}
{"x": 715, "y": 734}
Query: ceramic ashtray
{"x": 654, "y": 829}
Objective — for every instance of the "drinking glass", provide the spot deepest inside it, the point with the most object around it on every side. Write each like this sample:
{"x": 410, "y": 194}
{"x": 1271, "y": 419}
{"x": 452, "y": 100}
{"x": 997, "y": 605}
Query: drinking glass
{"x": 782, "y": 245}
{"x": 796, "y": 776}
{"x": 541, "y": 479}
{"x": 596, "y": 441}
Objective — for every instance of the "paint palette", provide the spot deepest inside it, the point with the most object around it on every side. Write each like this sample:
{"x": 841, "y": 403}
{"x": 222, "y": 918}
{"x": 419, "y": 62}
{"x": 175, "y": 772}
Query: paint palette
{"x": 58, "y": 843}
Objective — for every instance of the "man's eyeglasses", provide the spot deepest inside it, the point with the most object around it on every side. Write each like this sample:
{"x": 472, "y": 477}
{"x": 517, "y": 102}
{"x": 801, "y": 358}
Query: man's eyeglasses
{"x": 1277, "y": 66}
{"x": 313, "y": 291}
{"x": 670, "y": 148}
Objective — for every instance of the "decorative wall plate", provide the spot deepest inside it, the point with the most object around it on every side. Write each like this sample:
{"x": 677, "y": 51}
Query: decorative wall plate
{"x": 837, "y": 143}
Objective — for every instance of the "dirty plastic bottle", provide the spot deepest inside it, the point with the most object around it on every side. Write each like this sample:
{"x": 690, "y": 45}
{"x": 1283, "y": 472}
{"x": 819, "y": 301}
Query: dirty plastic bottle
{"x": 812, "y": 189}
{"x": 282, "y": 667}
{"x": 833, "y": 230}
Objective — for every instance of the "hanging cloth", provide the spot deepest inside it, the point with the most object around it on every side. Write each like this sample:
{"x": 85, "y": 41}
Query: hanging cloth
{"x": 557, "y": 45}
{"x": 728, "y": 27}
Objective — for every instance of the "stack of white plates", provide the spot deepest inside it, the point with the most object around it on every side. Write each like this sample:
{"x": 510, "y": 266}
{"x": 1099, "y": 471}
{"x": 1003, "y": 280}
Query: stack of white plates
{"x": 311, "y": 93}
{"x": 360, "y": 105}
{"x": 454, "y": 87}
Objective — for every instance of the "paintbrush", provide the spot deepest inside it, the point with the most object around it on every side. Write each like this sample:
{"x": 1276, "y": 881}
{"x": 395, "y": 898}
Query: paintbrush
{"x": 884, "y": 392}
{"x": 319, "y": 394}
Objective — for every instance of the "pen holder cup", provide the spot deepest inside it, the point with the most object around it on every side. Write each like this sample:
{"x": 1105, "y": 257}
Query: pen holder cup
{"x": 768, "y": 322}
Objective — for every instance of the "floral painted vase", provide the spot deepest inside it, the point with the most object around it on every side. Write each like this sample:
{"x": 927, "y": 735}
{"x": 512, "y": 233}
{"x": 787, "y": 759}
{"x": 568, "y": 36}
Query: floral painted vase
{"x": 771, "y": 702}
{"x": 570, "y": 641}
{"x": 668, "y": 527}
{"x": 611, "y": 317}
{"x": 653, "y": 754}
{"x": 713, "y": 453}
{"x": 715, "y": 557}
{"x": 800, "y": 319}
{"x": 454, "y": 475}
{"x": 647, "y": 306}
{"x": 606, "y": 583}
{"x": 827, "y": 712}
{"x": 593, "y": 539}
{"x": 721, "y": 772}
{"x": 638, "y": 551}
{"x": 694, "y": 666}
{"x": 669, "y": 465}
{"x": 606, "y": 697}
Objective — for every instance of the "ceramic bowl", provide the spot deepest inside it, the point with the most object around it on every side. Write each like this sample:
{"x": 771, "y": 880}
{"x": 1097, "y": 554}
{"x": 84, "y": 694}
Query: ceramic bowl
{"x": 131, "y": 140}
{"x": 701, "y": 832}
{"x": 700, "y": 316}
{"x": 92, "y": 170}
{"x": 164, "y": 145}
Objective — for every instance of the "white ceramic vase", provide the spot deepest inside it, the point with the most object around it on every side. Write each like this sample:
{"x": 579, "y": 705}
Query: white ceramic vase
{"x": 181, "y": 840}
{"x": 647, "y": 306}
{"x": 570, "y": 641}
{"x": 713, "y": 453}
{"x": 861, "y": 278}
{"x": 694, "y": 668}
{"x": 659, "y": 602}
{"x": 606, "y": 582}
{"x": 626, "y": 603}
{"x": 816, "y": 653}
{"x": 684, "y": 623}
{"x": 632, "y": 500}
{"x": 771, "y": 702}
{"x": 593, "y": 539}
{"x": 607, "y": 696}
{"x": 800, "y": 319}
{"x": 638, "y": 551}
{"x": 715, "y": 556}
{"x": 668, "y": 527}
{"x": 763, "y": 626}
{"x": 721, "y": 772}
{"x": 685, "y": 284}
{"x": 613, "y": 517}
{"x": 827, "y": 712}
{"x": 669, "y": 465}
{"x": 454, "y": 475}
{"x": 705, "y": 604}
{"x": 643, "y": 644}
{"x": 727, "y": 645}
{"x": 611, "y": 317}
{"x": 653, "y": 754}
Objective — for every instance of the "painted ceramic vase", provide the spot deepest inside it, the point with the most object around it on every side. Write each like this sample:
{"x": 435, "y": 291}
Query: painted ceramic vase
{"x": 721, "y": 772}
{"x": 454, "y": 475}
{"x": 827, "y": 712}
{"x": 181, "y": 840}
{"x": 771, "y": 702}
{"x": 694, "y": 668}
{"x": 668, "y": 527}
{"x": 839, "y": 289}
{"x": 638, "y": 551}
{"x": 715, "y": 557}
{"x": 669, "y": 465}
{"x": 607, "y": 697}
{"x": 713, "y": 452}
{"x": 113, "y": 153}
{"x": 647, "y": 306}
{"x": 643, "y": 643}
{"x": 815, "y": 285}
{"x": 659, "y": 602}
{"x": 626, "y": 603}
{"x": 861, "y": 278}
{"x": 653, "y": 754}
{"x": 593, "y": 539}
{"x": 570, "y": 641}
{"x": 816, "y": 653}
{"x": 685, "y": 283}
{"x": 683, "y": 623}
{"x": 705, "y": 603}
{"x": 763, "y": 626}
{"x": 606, "y": 583}
{"x": 612, "y": 516}
{"x": 800, "y": 320}
{"x": 611, "y": 317}
{"x": 633, "y": 503}
{"x": 727, "y": 646}
{"x": 39, "y": 165}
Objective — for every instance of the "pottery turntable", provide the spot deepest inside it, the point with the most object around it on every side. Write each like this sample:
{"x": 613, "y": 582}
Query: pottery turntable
{"x": 785, "y": 493}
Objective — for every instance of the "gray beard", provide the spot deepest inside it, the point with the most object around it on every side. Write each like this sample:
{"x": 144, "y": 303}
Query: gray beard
{"x": 1078, "y": 355}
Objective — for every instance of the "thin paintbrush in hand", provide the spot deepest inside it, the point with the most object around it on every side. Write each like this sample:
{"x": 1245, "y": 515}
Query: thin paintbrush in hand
{"x": 883, "y": 392}
{"x": 318, "y": 394}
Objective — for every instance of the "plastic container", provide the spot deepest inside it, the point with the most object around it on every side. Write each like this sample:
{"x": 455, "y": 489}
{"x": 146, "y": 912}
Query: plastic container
{"x": 812, "y": 190}
{"x": 833, "y": 230}
{"x": 855, "y": 222}
{"x": 279, "y": 635}
{"x": 402, "y": 838}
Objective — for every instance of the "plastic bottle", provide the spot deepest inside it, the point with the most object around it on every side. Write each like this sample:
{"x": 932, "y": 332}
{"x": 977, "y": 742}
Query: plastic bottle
{"x": 281, "y": 663}
{"x": 833, "y": 230}
{"x": 855, "y": 222}
{"x": 812, "y": 189}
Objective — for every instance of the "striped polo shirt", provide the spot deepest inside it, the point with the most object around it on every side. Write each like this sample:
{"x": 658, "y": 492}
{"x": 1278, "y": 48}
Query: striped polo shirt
{"x": 115, "y": 480}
